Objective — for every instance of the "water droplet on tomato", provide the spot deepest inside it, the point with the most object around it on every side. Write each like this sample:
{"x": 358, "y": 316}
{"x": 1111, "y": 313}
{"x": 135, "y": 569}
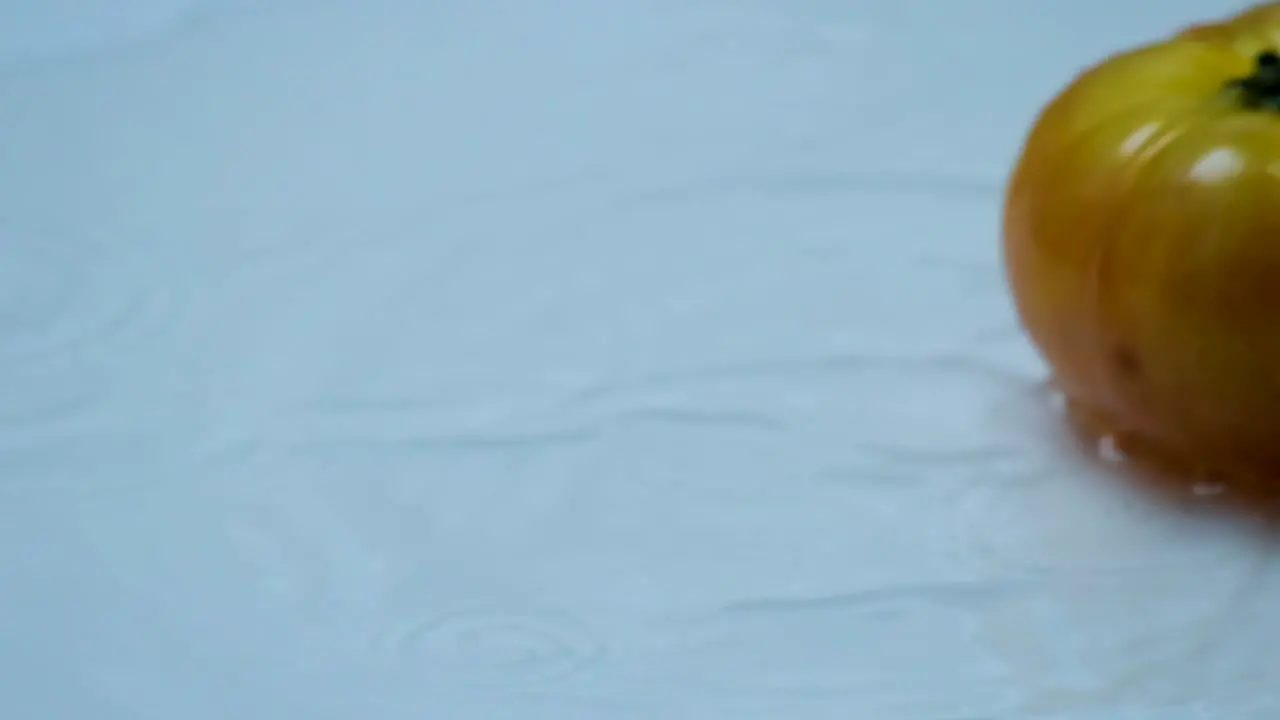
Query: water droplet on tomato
{"x": 1109, "y": 449}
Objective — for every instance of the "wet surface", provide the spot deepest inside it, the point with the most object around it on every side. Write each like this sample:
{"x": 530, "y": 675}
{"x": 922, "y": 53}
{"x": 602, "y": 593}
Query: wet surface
{"x": 640, "y": 359}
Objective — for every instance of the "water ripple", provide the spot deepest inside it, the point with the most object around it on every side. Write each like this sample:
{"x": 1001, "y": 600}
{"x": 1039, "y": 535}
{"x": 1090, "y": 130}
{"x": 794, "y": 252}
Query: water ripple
{"x": 290, "y": 568}
{"x": 570, "y": 417}
{"x": 62, "y": 406}
{"x": 60, "y": 294}
{"x": 494, "y": 650}
{"x": 1051, "y": 521}
{"x": 957, "y": 594}
{"x": 820, "y": 181}
{"x": 65, "y": 304}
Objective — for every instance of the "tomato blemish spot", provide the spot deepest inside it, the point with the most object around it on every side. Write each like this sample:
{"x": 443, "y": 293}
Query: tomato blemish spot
{"x": 1127, "y": 362}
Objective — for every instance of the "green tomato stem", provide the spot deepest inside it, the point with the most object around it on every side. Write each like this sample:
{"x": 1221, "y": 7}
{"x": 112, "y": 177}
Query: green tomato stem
{"x": 1261, "y": 90}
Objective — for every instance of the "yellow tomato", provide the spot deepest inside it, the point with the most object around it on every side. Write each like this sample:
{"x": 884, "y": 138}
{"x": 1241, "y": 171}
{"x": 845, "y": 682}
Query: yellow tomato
{"x": 1142, "y": 243}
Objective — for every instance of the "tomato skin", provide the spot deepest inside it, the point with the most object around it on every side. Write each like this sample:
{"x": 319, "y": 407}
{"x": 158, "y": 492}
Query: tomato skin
{"x": 1141, "y": 239}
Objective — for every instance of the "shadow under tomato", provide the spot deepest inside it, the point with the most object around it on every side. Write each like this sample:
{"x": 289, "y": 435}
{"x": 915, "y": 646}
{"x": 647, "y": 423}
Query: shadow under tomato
{"x": 1171, "y": 480}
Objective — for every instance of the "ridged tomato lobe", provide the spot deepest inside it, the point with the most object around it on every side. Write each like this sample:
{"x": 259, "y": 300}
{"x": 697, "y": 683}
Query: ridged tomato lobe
{"x": 1142, "y": 242}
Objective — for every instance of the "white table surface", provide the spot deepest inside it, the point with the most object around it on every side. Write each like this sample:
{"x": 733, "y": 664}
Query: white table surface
{"x": 570, "y": 359}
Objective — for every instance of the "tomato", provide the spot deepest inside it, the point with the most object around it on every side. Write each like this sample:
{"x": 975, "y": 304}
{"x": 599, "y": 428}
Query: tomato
{"x": 1141, "y": 240}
